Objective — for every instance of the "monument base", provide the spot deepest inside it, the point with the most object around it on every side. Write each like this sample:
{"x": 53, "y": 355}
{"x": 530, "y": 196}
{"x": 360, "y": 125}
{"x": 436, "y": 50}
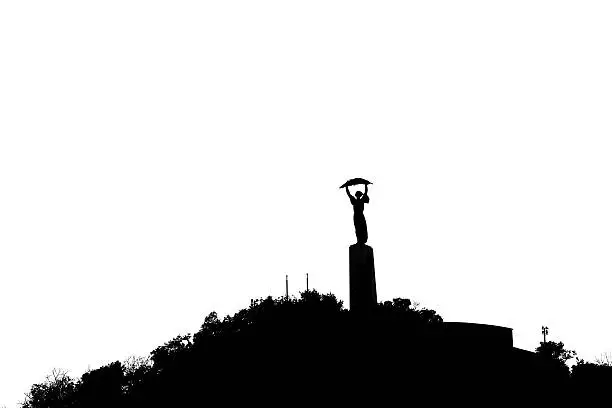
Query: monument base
{"x": 362, "y": 280}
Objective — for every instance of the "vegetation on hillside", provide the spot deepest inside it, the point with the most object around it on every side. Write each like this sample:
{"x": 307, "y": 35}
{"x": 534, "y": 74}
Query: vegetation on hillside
{"x": 279, "y": 346}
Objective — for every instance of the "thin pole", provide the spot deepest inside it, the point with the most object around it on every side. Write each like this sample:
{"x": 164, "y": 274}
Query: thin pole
{"x": 287, "y": 287}
{"x": 306, "y": 282}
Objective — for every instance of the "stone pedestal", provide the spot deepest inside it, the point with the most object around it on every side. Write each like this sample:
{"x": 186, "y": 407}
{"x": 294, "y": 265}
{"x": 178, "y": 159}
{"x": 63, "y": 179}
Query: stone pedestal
{"x": 362, "y": 280}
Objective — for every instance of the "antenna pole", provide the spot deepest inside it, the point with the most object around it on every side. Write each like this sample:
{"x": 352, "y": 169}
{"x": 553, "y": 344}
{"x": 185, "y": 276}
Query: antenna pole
{"x": 306, "y": 282}
{"x": 544, "y": 332}
{"x": 287, "y": 287}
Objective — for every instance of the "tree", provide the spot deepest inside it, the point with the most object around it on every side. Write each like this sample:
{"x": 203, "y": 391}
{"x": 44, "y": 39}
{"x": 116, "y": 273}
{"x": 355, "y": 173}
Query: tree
{"x": 135, "y": 370}
{"x": 555, "y": 351}
{"x": 604, "y": 360}
{"x": 57, "y": 391}
{"x": 589, "y": 379}
{"x": 167, "y": 355}
{"x": 404, "y": 308}
{"x": 102, "y": 387}
{"x": 554, "y": 356}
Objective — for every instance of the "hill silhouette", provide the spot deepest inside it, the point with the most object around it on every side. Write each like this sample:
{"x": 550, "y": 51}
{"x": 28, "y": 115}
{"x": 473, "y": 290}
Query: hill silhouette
{"x": 312, "y": 351}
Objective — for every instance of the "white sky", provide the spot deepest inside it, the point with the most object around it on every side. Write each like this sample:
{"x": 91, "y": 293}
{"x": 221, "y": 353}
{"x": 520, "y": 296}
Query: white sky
{"x": 160, "y": 160}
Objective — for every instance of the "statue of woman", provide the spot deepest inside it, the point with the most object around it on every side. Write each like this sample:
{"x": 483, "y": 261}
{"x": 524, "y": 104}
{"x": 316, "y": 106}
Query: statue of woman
{"x": 361, "y": 228}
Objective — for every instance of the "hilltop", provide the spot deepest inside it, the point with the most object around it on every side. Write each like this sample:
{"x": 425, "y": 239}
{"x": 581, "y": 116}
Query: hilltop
{"x": 311, "y": 350}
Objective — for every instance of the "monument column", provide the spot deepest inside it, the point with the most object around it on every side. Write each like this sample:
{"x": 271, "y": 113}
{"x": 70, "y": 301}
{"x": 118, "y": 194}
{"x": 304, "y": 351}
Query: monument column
{"x": 362, "y": 279}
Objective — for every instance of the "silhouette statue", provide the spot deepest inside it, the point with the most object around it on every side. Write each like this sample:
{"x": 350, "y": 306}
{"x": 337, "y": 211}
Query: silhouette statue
{"x": 362, "y": 279}
{"x": 361, "y": 227}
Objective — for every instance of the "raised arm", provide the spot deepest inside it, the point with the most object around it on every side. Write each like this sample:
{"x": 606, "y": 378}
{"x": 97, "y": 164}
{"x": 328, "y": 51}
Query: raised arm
{"x": 366, "y": 197}
{"x": 348, "y": 193}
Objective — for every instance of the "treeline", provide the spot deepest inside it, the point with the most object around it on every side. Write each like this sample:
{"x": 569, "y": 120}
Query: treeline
{"x": 311, "y": 350}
